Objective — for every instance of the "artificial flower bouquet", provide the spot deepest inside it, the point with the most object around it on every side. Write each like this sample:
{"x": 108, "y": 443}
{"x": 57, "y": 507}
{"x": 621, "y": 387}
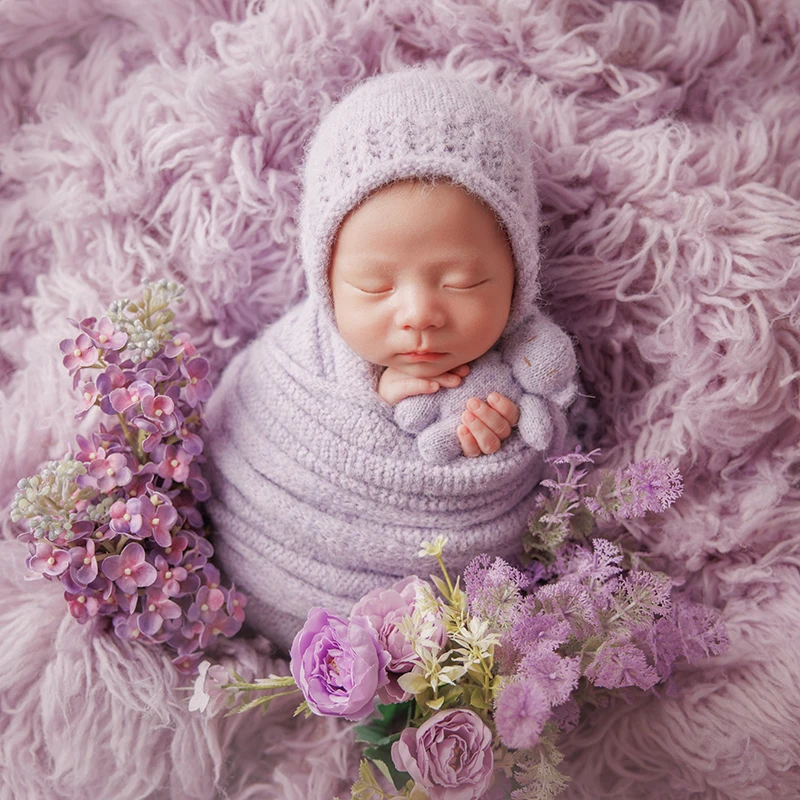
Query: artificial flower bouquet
{"x": 462, "y": 691}
{"x": 117, "y": 520}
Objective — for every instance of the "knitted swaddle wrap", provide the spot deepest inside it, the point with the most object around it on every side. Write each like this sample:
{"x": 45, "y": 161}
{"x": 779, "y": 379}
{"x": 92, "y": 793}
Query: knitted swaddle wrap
{"x": 317, "y": 495}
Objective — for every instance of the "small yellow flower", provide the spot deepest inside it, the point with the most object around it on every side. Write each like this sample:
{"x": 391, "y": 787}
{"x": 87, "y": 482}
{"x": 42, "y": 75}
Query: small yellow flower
{"x": 433, "y": 548}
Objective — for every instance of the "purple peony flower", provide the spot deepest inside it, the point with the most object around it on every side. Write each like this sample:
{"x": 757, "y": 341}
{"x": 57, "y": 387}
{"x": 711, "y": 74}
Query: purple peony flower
{"x": 129, "y": 570}
{"x": 521, "y": 711}
{"x": 449, "y": 756}
{"x": 339, "y": 665}
{"x": 384, "y": 609}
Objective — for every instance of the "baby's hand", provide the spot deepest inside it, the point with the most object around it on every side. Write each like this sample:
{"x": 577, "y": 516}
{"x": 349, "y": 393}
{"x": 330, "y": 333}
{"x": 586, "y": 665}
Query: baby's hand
{"x": 395, "y": 385}
{"x": 486, "y": 425}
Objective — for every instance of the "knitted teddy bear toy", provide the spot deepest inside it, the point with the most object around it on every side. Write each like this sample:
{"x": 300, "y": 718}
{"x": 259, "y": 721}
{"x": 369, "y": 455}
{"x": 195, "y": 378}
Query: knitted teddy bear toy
{"x": 535, "y": 368}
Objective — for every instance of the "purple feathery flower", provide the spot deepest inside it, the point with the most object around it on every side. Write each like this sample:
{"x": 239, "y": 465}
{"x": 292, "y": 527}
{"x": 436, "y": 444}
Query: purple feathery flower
{"x": 571, "y": 603}
{"x": 652, "y": 484}
{"x": 494, "y": 590}
{"x": 521, "y": 711}
{"x": 618, "y": 665}
{"x": 535, "y": 627}
{"x": 556, "y": 675}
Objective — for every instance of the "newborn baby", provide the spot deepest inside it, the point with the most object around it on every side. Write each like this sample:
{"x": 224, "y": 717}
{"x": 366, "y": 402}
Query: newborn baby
{"x": 428, "y": 267}
{"x": 339, "y": 438}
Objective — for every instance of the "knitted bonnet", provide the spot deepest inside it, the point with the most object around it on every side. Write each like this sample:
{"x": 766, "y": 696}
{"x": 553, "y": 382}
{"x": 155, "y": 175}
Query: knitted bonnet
{"x": 419, "y": 123}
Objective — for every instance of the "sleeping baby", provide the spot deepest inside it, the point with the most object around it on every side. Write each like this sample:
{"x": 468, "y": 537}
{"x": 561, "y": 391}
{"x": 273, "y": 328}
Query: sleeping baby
{"x": 413, "y": 391}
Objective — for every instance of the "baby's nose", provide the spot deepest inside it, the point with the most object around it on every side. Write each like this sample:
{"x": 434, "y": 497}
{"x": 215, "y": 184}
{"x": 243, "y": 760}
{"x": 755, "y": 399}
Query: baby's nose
{"x": 420, "y": 309}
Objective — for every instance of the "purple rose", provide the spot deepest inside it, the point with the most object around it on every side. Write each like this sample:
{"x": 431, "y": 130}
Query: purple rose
{"x": 384, "y": 609}
{"x": 449, "y": 756}
{"x": 339, "y": 665}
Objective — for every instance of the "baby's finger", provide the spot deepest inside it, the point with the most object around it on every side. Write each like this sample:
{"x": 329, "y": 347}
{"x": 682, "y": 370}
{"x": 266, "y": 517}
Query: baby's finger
{"x": 469, "y": 447}
{"x": 488, "y": 441}
{"x": 497, "y": 423}
{"x": 505, "y": 407}
{"x": 448, "y": 379}
{"x": 462, "y": 371}
{"x": 409, "y": 387}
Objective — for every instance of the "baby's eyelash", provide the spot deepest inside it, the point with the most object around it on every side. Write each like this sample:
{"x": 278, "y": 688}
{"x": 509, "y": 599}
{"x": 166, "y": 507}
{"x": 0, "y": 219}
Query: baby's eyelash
{"x": 464, "y": 288}
{"x": 457, "y": 288}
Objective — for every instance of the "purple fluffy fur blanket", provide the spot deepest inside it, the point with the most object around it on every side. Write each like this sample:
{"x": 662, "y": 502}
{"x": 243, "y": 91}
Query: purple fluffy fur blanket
{"x": 162, "y": 138}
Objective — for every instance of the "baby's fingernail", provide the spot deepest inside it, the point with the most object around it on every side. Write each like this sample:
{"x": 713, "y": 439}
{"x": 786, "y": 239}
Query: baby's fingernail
{"x": 493, "y": 397}
{"x": 474, "y": 404}
{"x": 433, "y": 386}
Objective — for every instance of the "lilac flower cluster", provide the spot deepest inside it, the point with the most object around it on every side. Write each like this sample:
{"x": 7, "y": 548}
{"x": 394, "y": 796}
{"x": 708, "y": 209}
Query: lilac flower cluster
{"x": 117, "y": 521}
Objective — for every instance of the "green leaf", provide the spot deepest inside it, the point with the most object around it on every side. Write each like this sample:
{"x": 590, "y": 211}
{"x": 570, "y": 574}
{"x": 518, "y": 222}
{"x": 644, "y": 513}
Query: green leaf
{"x": 476, "y": 700}
{"x": 393, "y": 711}
{"x": 378, "y": 737}
{"x": 381, "y": 757}
{"x": 302, "y": 709}
{"x": 441, "y": 586}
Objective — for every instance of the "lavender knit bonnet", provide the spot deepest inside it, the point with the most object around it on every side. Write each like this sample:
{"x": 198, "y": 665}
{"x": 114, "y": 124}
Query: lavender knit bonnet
{"x": 420, "y": 123}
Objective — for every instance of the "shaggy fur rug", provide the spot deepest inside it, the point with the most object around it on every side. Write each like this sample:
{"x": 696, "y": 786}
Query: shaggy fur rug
{"x": 144, "y": 138}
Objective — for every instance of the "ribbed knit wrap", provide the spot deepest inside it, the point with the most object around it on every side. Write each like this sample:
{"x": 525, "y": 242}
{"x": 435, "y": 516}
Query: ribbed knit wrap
{"x": 317, "y": 495}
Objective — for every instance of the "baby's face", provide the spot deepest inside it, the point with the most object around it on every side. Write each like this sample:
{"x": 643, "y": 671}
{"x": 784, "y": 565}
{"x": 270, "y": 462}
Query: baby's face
{"x": 419, "y": 268}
